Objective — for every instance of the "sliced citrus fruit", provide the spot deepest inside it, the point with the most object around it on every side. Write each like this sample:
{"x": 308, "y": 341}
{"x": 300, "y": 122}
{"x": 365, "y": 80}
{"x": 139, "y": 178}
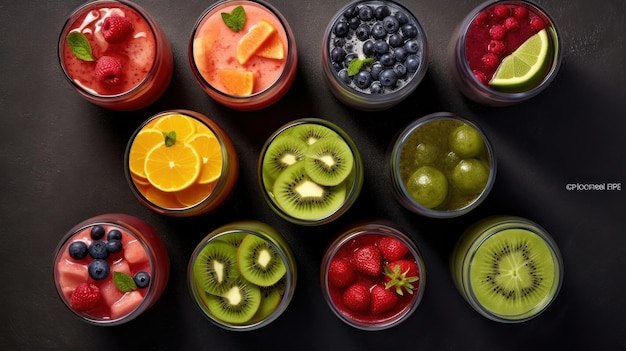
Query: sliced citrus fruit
{"x": 210, "y": 152}
{"x": 172, "y": 168}
{"x": 202, "y": 128}
{"x": 253, "y": 40}
{"x": 236, "y": 82}
{"x": 525, "y": 66}
{"x": 184, "y": 126}
{"x": 145, "y": 140}
{"x": 195, "y": 193}
{"x": 272, "y": 48}
{"x": 162, "y": 198}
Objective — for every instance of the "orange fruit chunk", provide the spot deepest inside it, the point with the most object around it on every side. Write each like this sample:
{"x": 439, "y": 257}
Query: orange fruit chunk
{"x": 202, "y": 49}
{"x": 253, "y": 40}
{"x": 210, "y": 152}
{"x": 172, "y": 168}
{"x": 272, "y": 48}
{"x": 184, "y": 126}
{"x": 235, "y": 81}
{"x": 195, "y": 193}
{"x": 162, "y": 198}
{"x": 145, "y": 140}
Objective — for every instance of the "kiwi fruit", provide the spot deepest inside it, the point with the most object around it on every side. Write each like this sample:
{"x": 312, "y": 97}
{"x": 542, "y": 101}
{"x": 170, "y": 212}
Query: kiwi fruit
{"x": 271, "y": 296}
{"x": 281, "y": 153}
{"x": 259, "y": 262}
{"x": 310, "y": 133}
{"x": 300, "y": 197}
{"x": 329, "y": 161}
{"x": 237, "y": 305}
{"x": 513, "y": 272}
{"x": 233, "y": 239}
{"x": 216, "y": 267}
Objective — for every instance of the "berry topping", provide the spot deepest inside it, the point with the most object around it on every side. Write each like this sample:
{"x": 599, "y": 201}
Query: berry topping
{"x": 78, "y": 250}
{"x": 490, "y": 60}
{"x": 400, "y": 276}
{"x": 340, "y": 273}
{"x": 382, "y": 299}
{"x": 142, "y": 279}
{"x": 85, "y": 297}
{"x": 98, "y": 269}
{"x": 497, "y": 47}
{"x": 97, "y": 249}
{"x": 97, "y": 232}
{"x": 114, "y": 234}
{"x": 501, "y": 11}
{"x": 368, "y": 260}
{"x": 537, "y": 24}
{"x": 392, "y": 248}
{"x": 497, "y": 32}
{"x": 481, "y": 19}
{"x": 511, "y": 24}
{"x": 520, "y": 12}
{"x": 113, "y": 246}
{"x": 357, "y": 297}
{"x": 480, "y": 76}
{"x": 108, "y": 70}
{"x": 116, "y": 29}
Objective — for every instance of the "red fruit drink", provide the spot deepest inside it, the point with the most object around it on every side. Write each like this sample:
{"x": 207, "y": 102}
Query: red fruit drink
{"x": 250, "y": 76}
{"x": 121, "y": 270}
{"x": 373, "y": 276}
{"x": 115, "y": 55}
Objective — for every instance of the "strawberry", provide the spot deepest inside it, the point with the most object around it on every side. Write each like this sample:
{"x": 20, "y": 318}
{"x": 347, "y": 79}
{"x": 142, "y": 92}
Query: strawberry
{"x": 401, "y": 274}
{"x": 392, "y": 248}
{"x": 368, "y": 260}
{"x": 382, "y": 299}
{"x": 357, "y": 297}
{"x": 85, "y": 297}
{"x": 116, "y": 29}
{"x": 340, "y": 273}
{"x": 108, "y": 70}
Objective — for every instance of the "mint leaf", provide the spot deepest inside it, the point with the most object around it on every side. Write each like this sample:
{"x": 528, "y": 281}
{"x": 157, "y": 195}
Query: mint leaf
{"x": 236, "y": 19}
{"x": 170, "y": 138}
{"x": 355, "y": 65}
{"x": 124, "y": 282}
{"x": 80, "y": 47}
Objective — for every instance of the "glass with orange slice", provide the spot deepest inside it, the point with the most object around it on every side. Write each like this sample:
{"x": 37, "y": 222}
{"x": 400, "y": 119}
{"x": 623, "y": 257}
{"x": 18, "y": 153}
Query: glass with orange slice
{"x": 243, "y": 54}
{"x": 181, "y": 163}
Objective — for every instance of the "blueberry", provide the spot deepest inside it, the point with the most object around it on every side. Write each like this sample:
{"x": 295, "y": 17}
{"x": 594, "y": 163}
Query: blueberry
{"x": 378, "y": 31}
{"x": 98, "y": 269}
{"x": 402, "y": 17}
{"x": 97, "y": 232}
{"x": 98, "y": 249}
{"x": 341, "y": 29}
{"x": 337, "y": 54}
{"x": 368, "y": 48}
{"x": 114, "y": 234}
{"x": 343, "y": 76}
{"x": 363, "y": 32}
{"x": 409, "y": 30}
{"x": 391, "y": 24}
{"x": 388, "y": 78}
{"x": 396, "y": 40}
{"x": 142, "y": 279}
{"x": 400, "y": 54}
{"x": 400, "y": 70}
{"x": 78, "y": 250}
{"x": 366, "y": 13}
{"x": 412, "y": 63}
{"x": 412, "y": 46}
{"x": 354, "y": 22}
{"x": 350, "y": 57}
{"x": 351, "y": 12}
{"x": 375, "y": 70}
{"x": 381, "y": 12}
{"x": 376, "y": 88}
{"x": 381, "y": 46}
{"x": 363, "y": 79}
{"x": 339, "y": 42}
{"x": 387, "y": 59}
{"x": 113, "y": 246}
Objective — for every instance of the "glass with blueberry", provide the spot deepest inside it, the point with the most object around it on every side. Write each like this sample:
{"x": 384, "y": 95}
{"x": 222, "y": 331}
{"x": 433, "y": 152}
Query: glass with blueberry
{"x": 375, "y": 54}
{"x": 110, "y": 268}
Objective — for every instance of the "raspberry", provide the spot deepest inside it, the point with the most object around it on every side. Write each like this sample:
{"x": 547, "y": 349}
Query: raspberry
{"x": 116, "y": 29}
{"x": 497, "y": 32}
{"x": 490, "y": 60}
{"x": 85, "y": 297}
{"x": 497, "y": 47}
{"x": 537, "y": 24}
{"x": 481, "y": 18}
{"x": 511, "y": 24}
{"x": 480, "y": 76}
{"x": 108, "y": 70}
{"x": 501, "y": 11}
{"x": 520, "y": 12}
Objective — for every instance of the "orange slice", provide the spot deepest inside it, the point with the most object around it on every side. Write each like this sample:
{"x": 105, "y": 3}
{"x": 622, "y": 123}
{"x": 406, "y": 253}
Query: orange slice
{"x": 172, "y": 168}
{"x": 162, "y": 198}
{"x": 145, "y": 140}
{"x": 184, "y": 126}
{"x": 210, "y": 152}
{"x": 253, "y": 40}
{"x": 195, "y": 193}
{"x": 272, "y": 48}
{"x": 202, "y": 128}
{"x": 236, "y": 82}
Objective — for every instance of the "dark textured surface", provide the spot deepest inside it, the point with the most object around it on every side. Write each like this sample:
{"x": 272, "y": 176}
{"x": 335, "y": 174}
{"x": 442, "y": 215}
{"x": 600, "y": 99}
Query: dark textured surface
{"x": 61, "y": 162}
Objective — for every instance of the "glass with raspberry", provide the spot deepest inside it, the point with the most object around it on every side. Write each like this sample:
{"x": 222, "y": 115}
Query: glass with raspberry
{"x": 115, "y": 55}
{"x": 505, "y": 52}
{"x": 373, "y": 276}
{"x": 110, "y": 268}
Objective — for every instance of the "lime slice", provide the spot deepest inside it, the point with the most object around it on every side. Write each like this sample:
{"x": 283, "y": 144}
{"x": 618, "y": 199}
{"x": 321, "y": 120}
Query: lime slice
{"x": 525, "y": 66}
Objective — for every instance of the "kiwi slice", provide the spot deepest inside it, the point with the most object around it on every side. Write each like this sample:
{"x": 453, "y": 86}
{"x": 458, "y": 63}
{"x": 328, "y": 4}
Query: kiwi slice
{"x": 237, "y": 305}
{"x": 258, "y": 261}
{"x": 233, "y": 239}
{"x": 281, "y": 153}
{"x": 310, "y": 133}
{"x": 299, "y": 196}
{"x": 513, "y": 273}
{"x": 271, "y": 296}
{"x": 329, "y": 161}
{"x": 216, "y": 267}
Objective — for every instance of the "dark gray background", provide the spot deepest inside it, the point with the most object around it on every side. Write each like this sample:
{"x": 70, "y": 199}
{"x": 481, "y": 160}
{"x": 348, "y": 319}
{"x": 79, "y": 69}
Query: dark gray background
{"x": 62, "y": 162}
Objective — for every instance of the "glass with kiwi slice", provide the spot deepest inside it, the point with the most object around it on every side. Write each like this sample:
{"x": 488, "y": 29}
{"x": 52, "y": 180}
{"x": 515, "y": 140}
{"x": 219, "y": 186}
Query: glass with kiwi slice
{"x": 508, "y": 268}
{"x": 310, "y": 171}
{"x": 242, "y": 275}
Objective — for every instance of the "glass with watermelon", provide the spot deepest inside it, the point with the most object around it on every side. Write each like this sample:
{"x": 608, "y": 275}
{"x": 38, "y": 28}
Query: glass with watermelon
{"x": 505, "y": 52}
{"x": 110, "y": 268}
{"x": 373, "y": 276}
